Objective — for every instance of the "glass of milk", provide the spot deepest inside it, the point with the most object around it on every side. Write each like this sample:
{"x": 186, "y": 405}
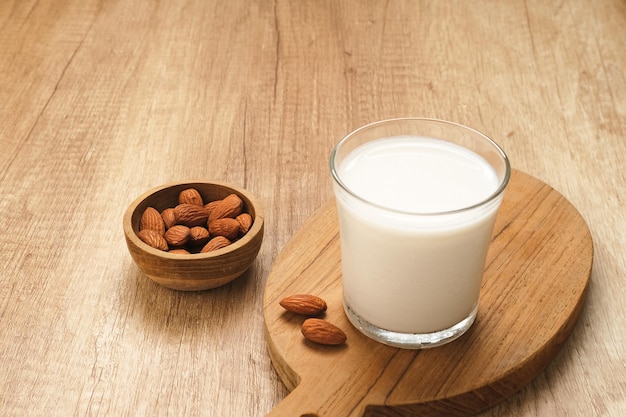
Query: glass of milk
{"x": 417, "y": 200}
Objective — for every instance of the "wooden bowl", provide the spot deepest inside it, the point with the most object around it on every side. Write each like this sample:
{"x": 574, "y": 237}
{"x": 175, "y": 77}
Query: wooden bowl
{"x": 196, "y": 271}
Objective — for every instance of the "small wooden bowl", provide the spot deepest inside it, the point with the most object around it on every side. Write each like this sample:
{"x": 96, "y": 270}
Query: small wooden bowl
{"x": 197, "y": 271}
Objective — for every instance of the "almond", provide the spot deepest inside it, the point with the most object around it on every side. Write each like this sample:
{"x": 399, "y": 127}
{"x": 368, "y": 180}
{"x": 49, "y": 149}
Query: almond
{"x": 198, "y": 235}
{"x": 180, "y": 251}
{"x": 322, "y": 332}
{"x": 227, "y": 227}
{"x": 151, "y": 219}
{"x": 211, "y": 205}
{"x": 218, "y": 242}
{"x": 230, "y": 206}
{"x": 245, "y": 222}
{"x": 190, "y": 196}
{"x": 305, "y": 304}
{"x": 177, "y": 235}
{"x": 168, "y": 217}
{"x": 152, "y": 238}
{"x": 190, "y": 215}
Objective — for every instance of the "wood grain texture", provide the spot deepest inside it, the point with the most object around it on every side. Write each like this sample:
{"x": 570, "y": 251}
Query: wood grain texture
{"x": 536, "y": 276}
{"x": 103, "y": 100}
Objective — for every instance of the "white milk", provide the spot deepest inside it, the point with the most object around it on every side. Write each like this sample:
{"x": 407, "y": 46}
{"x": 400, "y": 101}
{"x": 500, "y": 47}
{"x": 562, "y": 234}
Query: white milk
{"x": 407, "y": 272}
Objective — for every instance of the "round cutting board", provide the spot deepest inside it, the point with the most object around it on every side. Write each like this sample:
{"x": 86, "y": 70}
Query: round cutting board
{"x": 535, "y": 280}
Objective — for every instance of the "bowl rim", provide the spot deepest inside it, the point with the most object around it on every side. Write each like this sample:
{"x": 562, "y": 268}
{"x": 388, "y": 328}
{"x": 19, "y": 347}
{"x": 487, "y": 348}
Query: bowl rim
{"x": 257, "y": 224}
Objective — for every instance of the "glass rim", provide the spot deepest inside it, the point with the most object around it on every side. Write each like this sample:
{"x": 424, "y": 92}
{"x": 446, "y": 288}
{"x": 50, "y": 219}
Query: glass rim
{"x": 483, "y": 202}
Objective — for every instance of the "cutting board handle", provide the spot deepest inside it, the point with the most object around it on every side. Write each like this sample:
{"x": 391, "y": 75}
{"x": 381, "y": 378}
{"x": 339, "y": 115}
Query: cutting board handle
{"x": 296, "y": 404}
{"x": 315, "y": 402}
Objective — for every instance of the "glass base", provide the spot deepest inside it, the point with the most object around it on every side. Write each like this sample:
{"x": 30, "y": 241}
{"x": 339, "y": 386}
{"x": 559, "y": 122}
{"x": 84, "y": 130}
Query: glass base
{"x": 411, "y": 340}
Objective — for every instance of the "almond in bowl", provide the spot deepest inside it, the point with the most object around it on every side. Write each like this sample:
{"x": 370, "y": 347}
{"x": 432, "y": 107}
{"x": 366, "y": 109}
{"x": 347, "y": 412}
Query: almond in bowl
{"x": 187, "y": 235}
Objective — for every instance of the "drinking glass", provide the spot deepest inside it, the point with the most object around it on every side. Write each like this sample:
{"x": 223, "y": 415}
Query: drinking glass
{"x": 417, "y": 200}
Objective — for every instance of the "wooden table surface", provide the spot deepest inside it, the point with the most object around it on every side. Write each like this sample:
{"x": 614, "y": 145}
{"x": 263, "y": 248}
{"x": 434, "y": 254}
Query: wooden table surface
{"x": 101, "y": 100}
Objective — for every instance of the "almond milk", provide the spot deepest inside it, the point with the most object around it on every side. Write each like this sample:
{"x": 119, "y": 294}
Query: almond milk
{"x": 413, "y": 251}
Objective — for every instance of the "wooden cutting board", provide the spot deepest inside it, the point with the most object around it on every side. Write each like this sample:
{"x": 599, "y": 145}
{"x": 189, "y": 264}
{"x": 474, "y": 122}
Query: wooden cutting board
{"x": 536, "y": 275}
